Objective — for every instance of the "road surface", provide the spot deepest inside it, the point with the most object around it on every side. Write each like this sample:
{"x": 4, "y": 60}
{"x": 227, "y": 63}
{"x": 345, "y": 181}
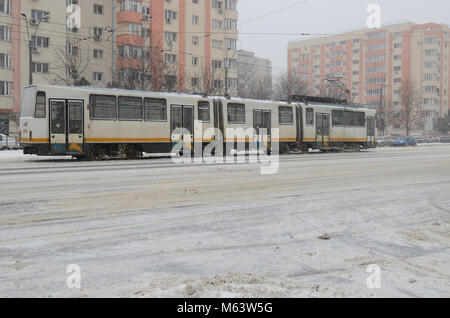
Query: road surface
{"x": 151, "y": 228}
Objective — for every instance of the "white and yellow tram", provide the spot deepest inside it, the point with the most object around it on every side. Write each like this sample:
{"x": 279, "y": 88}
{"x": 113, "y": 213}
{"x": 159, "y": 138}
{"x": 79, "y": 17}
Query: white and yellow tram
{"x": 92, "y": 123}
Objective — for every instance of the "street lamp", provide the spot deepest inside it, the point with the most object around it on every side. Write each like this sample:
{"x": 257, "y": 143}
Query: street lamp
{"x": 30, "y": 45}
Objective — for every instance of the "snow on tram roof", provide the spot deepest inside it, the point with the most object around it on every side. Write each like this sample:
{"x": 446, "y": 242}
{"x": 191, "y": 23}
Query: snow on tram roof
{"x": 116, "y": 90}
{"x": 175, "y": 94}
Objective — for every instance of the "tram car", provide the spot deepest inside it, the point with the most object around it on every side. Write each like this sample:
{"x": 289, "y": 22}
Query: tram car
{"x": 96, "y": 123}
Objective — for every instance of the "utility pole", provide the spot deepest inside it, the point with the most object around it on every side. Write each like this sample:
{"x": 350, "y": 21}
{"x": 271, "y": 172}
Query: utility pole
{"x": 227, "y": 62}
{"x": 382, "y": 111}
{"x": 30, "y": 45}
{"x": 226, "y": 80}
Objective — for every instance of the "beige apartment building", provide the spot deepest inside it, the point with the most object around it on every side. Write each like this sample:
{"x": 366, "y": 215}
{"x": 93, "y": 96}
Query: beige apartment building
{"x": 101, "y": 42}
{"x": 254, "y": 74}
{"x": 373, "y": 64}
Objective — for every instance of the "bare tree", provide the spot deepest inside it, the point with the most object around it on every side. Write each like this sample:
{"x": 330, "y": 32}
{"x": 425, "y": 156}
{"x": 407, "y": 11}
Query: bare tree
{"x": 143, "y": 66}
{"x": 410, "y": 115}
{"x": 335, "y": 87}
{"x": 75, "y": 61}
{"x": 207, "y": 81}
{"x": 444, "y": 124}
{"x": 289, "y": 85}
{"x": 257, "y": 89}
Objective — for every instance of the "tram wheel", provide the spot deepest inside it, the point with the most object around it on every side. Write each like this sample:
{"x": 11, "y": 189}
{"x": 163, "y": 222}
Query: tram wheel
{"x": 132, "y": 152}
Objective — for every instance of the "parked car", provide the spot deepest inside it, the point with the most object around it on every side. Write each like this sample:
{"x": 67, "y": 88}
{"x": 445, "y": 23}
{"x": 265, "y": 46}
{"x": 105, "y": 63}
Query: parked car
{"x": 432, "y": 139}
{"x": 445, "y": 139}
{"x": 404, "y": 142}
{"x": 385, "y": 141}
{"x": 419, "y": 138}
{"x": 7, "y": 143}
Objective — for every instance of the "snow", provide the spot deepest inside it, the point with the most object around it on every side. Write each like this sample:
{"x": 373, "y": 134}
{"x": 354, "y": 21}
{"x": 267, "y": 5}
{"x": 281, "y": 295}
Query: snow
{"x": 151, "y": 228}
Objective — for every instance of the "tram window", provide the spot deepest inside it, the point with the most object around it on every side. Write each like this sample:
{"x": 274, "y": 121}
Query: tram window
{"x": 349, "y": 118}
{"x": 130, "y": 108}
{"x": 286, "y": 115}
{"x": 155, "y": 109}
{"x": 103, "y": 107}
{"x": 337, "y": 117}
{"x": 360, "y": 119}
{"x": 58, "y": 117}
{"x": 309, "y": 116}
{"x": 39, "y": 111}
{"x": 236, "y": 113}
{"x": 203, "y": 112}
{"x": 75, "y": 117}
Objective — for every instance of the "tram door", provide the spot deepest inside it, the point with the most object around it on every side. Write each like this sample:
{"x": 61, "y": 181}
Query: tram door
{"x": 371, "y": 131}
{"x": 66, "y": 127}
{"x": 263, "y": 126}
{"x": 182, "y": 125}
{"x": 218, "y": 116}
{"x": 322, "y": 129}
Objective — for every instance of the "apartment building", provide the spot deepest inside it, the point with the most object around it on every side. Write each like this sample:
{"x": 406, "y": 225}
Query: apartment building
{"x": 253, "y": 73}
{"x": 97, "y": 42}
{"x": 373, "y": 64}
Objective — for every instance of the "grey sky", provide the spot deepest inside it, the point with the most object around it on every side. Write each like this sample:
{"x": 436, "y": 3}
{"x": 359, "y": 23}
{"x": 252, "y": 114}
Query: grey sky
{"x": 322, "y": 17}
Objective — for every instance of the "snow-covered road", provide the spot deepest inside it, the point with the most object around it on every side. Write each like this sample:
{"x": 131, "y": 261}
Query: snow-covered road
{"x": 151, "y": 228}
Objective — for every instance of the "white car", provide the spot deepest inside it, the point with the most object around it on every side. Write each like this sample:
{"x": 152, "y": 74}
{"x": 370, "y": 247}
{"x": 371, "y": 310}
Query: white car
{"x": 7, "y": 143}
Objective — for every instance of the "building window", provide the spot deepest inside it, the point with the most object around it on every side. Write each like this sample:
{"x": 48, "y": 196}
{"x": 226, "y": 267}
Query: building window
{"x": 232, "y": 83}
{"x": 5, "y": 60}
{"x": 130, "y": 5}
{"x": 216, "y": 4}
{"x": 40, "y": 67}
{"x": 136, "y": 29}
{"x": 130, "y": 51}
{"x": 230, "y": 44}
{"x": 216, "y": 44}
{"x": 39, "y": 41}
{"x": 98, "y": 76}
{"x": 195, "y": 19}
{"x": 231, "y": 5}
{"x": 5, "y": 88}
{"x": 98, "y": 9}
{"x": 216, "y": 64}
{"x": 5, "y": 6}
{"x": 98, "y": 54}
{"x": 230, "y": 64}
{"x": 170, "y": 36}
{"x": 170, "y": 15}
{"x": 5, "y": 33}
{"x": 230, "y": 24}
{"x": 38, "y": 14}
{"x": 216, "y": 24}
{"x": 170, "y": 58}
